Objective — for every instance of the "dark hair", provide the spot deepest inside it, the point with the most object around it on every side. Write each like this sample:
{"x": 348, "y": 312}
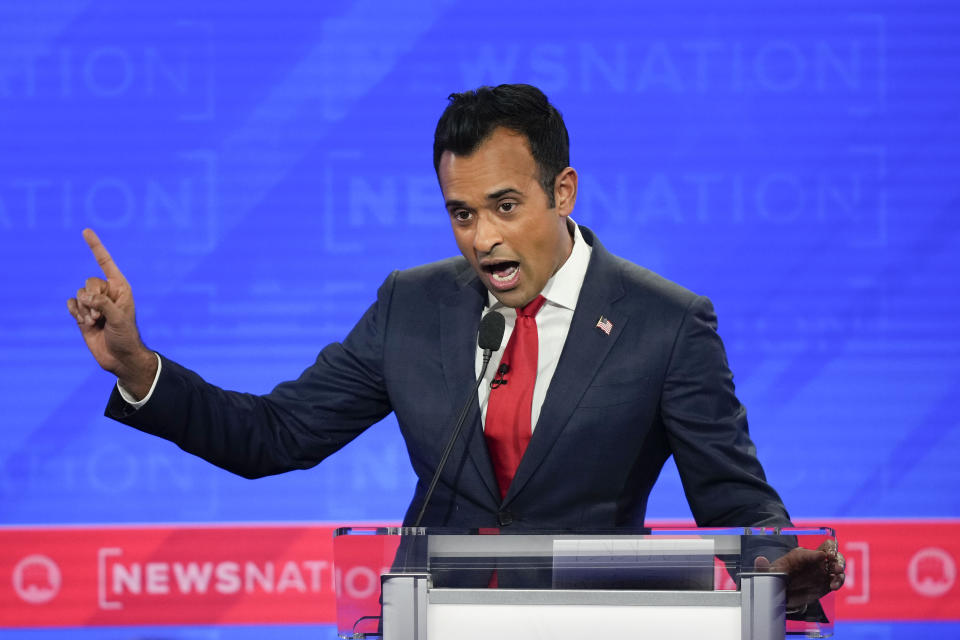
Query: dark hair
{"x": 472, "y": 116}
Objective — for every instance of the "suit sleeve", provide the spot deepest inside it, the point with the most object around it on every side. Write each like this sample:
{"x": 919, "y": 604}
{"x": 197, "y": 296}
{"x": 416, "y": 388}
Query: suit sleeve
{"x": 295, "y": 426}
{"x": 707, "y": 429}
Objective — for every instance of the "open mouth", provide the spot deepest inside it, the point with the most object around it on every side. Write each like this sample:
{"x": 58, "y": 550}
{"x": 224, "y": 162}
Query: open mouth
{"x": 503, "y": 275}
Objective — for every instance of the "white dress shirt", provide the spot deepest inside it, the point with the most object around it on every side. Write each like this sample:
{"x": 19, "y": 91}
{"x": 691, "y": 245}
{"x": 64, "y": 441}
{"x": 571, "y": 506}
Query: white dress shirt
{"x": 553, "y": 324}
{"x": 133, "y": 402}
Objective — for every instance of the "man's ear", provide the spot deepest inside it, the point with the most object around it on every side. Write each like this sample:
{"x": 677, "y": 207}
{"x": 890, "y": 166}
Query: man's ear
{"x": 565, "y": 191}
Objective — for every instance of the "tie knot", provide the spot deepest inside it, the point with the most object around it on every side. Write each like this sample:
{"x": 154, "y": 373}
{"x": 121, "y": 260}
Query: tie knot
{"x": 531, "y": 308}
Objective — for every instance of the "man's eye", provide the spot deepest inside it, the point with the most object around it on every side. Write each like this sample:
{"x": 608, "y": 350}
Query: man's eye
{"x": 507, "y": 207}
{"x": 462, "y": 216}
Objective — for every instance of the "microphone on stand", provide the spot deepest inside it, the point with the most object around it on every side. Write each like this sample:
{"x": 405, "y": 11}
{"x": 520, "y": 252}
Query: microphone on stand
{"x": 489, "y": 338}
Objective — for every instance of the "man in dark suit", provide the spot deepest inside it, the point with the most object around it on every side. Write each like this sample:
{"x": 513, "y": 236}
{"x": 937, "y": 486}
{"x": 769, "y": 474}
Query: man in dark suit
{"x": 611, "y": 368}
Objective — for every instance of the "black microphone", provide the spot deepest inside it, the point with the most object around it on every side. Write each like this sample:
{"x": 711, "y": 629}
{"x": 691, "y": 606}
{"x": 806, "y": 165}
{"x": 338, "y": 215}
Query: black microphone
{"x": 489, "y": 339}
{"x": 491, "y": 333}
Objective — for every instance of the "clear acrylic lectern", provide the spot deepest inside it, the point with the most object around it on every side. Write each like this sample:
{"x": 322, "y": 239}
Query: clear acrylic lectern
{"x": 420, "y": 583}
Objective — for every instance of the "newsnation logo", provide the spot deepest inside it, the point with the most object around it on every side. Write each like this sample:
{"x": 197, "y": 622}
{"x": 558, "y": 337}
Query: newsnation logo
{"x": 117, "y": 579}
{"x": 261, "y": 574}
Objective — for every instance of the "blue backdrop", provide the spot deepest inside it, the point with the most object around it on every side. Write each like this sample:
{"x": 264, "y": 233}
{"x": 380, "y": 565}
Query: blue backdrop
{"x": 258, "y": 168}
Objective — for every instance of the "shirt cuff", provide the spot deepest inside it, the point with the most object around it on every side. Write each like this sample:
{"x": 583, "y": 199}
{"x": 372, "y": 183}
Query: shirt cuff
{"x": 133, "y": 402}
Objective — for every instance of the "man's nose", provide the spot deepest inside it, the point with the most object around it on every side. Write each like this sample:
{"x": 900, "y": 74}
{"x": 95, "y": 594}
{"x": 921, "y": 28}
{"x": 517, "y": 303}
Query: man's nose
{"x": 487, "y": 235}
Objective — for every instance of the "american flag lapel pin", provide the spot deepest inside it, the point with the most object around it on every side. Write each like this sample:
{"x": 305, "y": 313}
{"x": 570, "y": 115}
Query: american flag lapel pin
{"x": 604, "y": 325}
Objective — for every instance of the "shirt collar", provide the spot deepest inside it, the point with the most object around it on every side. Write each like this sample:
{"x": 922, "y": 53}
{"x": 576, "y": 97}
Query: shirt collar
{"x": 563, "y": 288}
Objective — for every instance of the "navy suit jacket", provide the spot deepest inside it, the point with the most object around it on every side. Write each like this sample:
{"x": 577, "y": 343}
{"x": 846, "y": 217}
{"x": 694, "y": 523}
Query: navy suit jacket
{"x": 618, "y": 406}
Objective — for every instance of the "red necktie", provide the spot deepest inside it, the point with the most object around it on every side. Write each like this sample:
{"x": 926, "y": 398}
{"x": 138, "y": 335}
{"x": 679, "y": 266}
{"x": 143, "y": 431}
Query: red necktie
{"x": 508, "y": 428}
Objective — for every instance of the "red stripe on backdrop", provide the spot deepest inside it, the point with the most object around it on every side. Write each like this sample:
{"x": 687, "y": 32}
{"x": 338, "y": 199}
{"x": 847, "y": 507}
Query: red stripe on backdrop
{"x": 220, "y": 574}
{"x": 166, "y": 575}
{"x": 899, "y": 570}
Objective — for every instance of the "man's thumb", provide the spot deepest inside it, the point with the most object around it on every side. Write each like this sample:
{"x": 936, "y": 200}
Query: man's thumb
{"x": 107, "y": 307}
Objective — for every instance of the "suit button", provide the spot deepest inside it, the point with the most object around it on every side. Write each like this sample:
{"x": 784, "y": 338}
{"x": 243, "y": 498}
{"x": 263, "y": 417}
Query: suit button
{"x": 505, "y": 518}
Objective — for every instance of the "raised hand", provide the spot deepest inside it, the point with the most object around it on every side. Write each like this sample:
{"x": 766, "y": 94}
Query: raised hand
{"x": 104, "y": 312}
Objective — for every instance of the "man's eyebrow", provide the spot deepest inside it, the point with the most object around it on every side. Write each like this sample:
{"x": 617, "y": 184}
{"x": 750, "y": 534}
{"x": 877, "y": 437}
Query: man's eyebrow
{"x": 503, "y": 192}
{"x": 490, "y": 196}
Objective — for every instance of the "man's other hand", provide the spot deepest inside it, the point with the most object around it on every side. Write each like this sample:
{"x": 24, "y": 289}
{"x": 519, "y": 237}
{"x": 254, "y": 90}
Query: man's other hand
{"x": 811, "y": 573}
{"x": 104, "y": 313}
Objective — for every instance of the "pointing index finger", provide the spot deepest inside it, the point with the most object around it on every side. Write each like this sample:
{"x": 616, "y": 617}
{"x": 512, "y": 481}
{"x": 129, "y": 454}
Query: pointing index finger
{"x": 100, "y": 252}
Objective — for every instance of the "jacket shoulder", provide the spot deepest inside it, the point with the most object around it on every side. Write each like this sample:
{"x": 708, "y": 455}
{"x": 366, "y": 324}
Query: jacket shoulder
{"x": 435, "y": 279}
{"x": 649, "y": 290}
{"x": 638, "y": 285}
{"x": 642, "y": 278}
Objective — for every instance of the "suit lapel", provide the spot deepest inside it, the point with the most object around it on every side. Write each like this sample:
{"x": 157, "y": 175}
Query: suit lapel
{"x": 583, "y": 352}
{"x": 458, "y": 348}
